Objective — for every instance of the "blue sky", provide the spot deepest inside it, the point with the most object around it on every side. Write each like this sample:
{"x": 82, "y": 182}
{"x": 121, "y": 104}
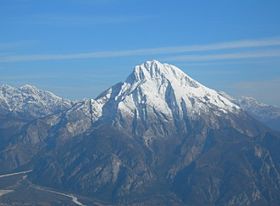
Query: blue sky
{"x": 78, "y": 48}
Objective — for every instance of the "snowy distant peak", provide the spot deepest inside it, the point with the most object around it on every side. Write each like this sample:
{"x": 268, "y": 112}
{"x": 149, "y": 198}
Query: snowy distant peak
{"x": 250, "y": 101}
{"x": 245, "y": 102}
{"x": 10, "y": 93}
{"x": 260, "y": 111}
{"x": 24, "y": 88}
{"x": 251, "y": 104}
{"x": 267, "y": 114}
{"x": 28, "y": 87}
{"x": 31, "y": 101}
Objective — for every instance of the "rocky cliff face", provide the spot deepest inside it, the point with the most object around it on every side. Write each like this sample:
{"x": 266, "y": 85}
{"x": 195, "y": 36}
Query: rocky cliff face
{"x": 158, "y": 138}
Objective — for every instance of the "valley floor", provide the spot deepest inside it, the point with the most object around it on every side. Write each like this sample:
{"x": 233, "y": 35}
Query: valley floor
{"x": 16, "y": 189}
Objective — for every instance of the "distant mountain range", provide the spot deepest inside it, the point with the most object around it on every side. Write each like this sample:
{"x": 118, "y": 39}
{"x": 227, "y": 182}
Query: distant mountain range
{"x": 29, "y": 102}
{"x": 158, "y": 138}
{"x": 267, "y": 114}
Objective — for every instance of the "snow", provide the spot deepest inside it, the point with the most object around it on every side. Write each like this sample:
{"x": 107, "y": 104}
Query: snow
{"x": 261, "y": 111}
{"x": 29, "y": 99}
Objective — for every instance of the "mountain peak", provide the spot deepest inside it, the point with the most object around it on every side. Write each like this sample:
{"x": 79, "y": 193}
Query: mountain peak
{"x": 29, "y": 100}
{"x": 156, "y": 74}
{"x": 31, "y": 90}
{"x": 24, "y": 88}
{"x": 156, "y": 91}
{"x": 28, "y": 87}
{"x": 155, "y": 70}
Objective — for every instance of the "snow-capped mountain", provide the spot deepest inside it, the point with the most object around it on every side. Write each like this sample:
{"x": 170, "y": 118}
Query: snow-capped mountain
{"x": 29, "y": 101}
{"x": 167, "y": 90}
{"x": 268, "y": 114}
{"x": 156, "y": 92}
